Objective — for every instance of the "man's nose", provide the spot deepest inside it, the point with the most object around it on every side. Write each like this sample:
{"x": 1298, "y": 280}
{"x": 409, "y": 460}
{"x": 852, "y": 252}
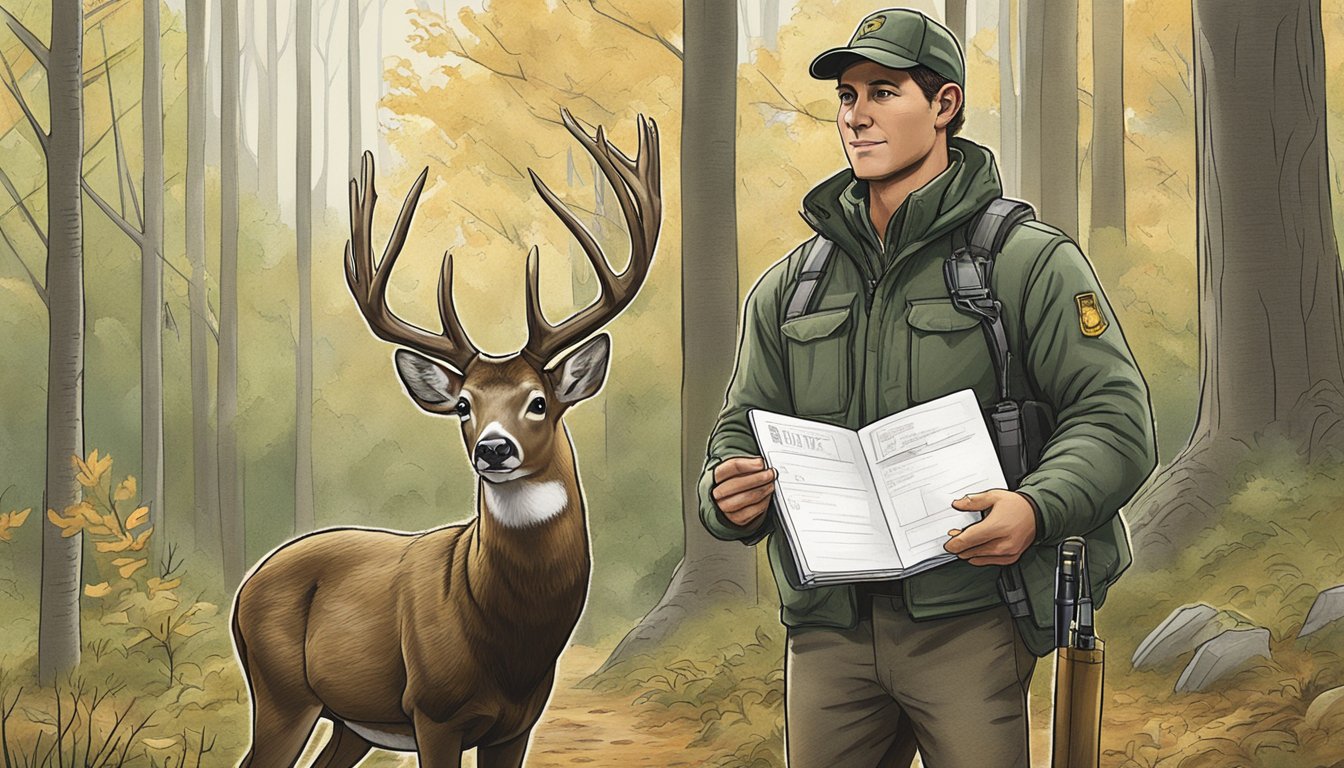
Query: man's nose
{"x": 857, "y": 115}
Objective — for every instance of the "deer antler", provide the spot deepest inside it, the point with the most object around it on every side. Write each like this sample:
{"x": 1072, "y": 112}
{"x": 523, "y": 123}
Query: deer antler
{"x": 368, "y": 282}
{"x": 638, "y": 188}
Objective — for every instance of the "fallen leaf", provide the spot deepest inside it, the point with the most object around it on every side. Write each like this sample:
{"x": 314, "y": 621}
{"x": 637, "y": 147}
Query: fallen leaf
{"x": 128, "y": 568}
{"x": 138, "y": 518}
{"x": 98, "y": 590}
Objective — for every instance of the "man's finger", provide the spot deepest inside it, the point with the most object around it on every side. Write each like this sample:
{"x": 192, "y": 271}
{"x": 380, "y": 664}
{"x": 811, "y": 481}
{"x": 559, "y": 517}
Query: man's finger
{"x": 737, "y": 465}
{"x": 995, "y": 560}
{"x": 746, "y": 515}
{"x": 742, "y": 483}
{"x": 975, "y": 501}
{"x": 746, "y": 499}
{"x": 972, "y": 536}
{"x": 990, "y": 548}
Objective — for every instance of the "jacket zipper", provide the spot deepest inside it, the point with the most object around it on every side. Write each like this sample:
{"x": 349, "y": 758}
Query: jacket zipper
{"x": 870, "y": 289}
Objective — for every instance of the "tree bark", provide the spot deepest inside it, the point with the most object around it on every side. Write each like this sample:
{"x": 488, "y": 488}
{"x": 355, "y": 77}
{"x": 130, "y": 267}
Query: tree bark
{"x": 214, "y": 77}
{"x": 353, "y": 72}
{"x": 1271, "y": 336}
{"x": 230, "y": 506}
{"x": 1058, "y": 135}
{"x": 1031, "y": 34}
{"x": 151, "y": 281}
{"x": 205, "y": 475}
{"x": 268, "y": 173}
{"x": 303, "y": 224}
{"x": 58, "y": 644}
{"x": 711, "y": 572}
{"x": 1009, "y": 107}
{"x": 770, "y": 24}
{"x": 1108, "y": 115}
{"x": 954, "y": 16}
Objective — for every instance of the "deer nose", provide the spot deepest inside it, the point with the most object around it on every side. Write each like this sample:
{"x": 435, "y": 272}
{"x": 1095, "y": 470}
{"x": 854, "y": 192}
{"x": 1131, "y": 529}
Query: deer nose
{"x": 495, "y": 451}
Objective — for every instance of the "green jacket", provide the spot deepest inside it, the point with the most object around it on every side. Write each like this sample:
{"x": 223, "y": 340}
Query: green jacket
{"x": 883, "y": 336}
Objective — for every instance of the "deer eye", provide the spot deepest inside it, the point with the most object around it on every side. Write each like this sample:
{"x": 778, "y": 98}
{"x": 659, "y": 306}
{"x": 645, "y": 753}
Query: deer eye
{"x": 538, "y": 405}
{"x": 463, "y": 408}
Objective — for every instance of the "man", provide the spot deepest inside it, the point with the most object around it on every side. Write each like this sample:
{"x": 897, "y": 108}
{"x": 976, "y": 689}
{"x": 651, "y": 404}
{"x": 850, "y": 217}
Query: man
{"x": 936, "y": 659}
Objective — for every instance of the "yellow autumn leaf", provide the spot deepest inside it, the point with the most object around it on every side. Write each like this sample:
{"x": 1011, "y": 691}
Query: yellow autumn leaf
{"x": 126, "y": 490}
{"x": 112, "y": 524}
{"x": 188, "y": 630}
{"x": 120, "y": 617}
{"x": 119, "y": 545}
{"x": 137, "y": 518}
{"x": 98, "y": 590}
{"x": 157, "y": 585}
{"x": 161, "y": 743}
{"x": 140, "y": 540}
{"x": 126, "y": 566}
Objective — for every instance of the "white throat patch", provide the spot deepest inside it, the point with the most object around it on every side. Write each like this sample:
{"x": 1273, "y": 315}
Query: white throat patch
{"x": 520, "y": 503}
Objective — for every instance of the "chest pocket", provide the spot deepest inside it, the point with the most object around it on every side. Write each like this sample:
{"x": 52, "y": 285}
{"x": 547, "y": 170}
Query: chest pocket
{"x": 947, "y": 352}
{"x": 821, "y": 371}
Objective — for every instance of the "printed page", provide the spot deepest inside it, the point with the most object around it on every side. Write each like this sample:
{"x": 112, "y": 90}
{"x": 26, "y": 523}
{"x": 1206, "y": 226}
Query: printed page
{"x": 827, "y": 499}
{"x": 924, "y": 457}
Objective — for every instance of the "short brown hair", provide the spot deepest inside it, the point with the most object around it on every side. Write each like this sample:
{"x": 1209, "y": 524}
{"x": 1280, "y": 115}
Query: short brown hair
{"x": 930, "y": 83}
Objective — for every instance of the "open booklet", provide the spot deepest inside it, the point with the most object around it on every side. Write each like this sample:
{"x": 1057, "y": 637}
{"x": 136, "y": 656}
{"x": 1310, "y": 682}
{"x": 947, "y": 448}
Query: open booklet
{"x": 876, "y": 504}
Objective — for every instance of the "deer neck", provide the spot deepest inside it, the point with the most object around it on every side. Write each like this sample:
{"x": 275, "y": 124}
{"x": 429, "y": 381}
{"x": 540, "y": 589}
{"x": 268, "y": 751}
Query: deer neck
{"x": 532, "y": 537}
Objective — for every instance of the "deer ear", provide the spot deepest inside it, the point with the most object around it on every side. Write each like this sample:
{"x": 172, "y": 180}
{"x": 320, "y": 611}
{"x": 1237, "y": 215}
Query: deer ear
{"x": 432, "y": 385}
{"x": 580, "y": 374}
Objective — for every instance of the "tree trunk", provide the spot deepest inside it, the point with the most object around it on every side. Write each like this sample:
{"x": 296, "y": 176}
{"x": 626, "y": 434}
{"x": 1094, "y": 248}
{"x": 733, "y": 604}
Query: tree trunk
{"x": 954, "y": 16}
{"x": 151, "y": 282}
{"x": 205, "y": 475}
{"x": 383, "y": 153}
{"x": 230, "y": 501}
{"x": 1009, "y": 144}
{"x": 58, "y": 642}
{"x": 711, "y": 572}
{"x": 268, "y": 174}
{"x": 303, "y": 224}
{"x": 770, "y": 24}
{"x": 1108, "y": 115}
{"x": 1271, "y": 337}
{"x": 1058, "y": 135}
{"x": 214, "y": 78}
{"x": 353, "y": 72}
{"x": 1031, "y": 36}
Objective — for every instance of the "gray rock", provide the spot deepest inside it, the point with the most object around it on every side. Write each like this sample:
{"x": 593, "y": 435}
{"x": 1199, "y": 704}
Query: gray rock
{"x": 1184, "y": 630}
{"x": 1223, "y": 655}
{"x": 1329, "y": 606}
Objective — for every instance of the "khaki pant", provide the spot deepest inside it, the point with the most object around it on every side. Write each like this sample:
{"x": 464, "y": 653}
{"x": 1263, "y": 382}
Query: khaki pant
{"x": 866, "y": 697}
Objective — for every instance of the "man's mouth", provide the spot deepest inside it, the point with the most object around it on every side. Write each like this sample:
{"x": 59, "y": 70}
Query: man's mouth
{"x": 865, "y": 144}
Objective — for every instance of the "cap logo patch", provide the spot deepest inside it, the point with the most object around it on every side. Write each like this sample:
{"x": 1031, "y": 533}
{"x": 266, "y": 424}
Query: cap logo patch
{"x": 872, "y": 25}
{"x": 1090, "y": 319}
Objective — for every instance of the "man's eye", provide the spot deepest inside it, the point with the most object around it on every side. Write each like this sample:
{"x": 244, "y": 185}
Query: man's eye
{"x": 884, "y": 93}
{"x": 463, "y": 408}
{"x": 846, "y": 98}
{"x": 538, "y": 405}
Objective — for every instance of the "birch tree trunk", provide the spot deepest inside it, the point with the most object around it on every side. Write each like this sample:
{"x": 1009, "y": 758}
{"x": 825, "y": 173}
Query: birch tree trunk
{"x": 58, "y": 642}
{"x": 1031, "y": 34}
{"x": 205, "y": 475}
{"x": 1009, "y": 106}
{"x": 353, "y": 72}
{"x": 230, "y": 502}
{"x": 1271, "y": 337}
{"x": 1108, "y": 115}
{"x": 268, "y": 173}
{"x": 151, "y": 281}
{"x": 303, "y": 223}
{"x": 711, "y": 572}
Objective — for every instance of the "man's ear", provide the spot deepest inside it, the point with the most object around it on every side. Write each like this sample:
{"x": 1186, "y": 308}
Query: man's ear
{"x": 432, "y": 385}
{"x": 949, "y": 99}
{"x": 580, "y": 374}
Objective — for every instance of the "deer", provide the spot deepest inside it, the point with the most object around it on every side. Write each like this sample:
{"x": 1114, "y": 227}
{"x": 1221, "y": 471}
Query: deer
{"x": 445, "y": 640}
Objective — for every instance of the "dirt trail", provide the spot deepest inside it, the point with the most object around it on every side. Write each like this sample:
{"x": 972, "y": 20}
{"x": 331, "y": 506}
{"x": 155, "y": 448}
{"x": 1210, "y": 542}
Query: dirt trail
{"x": 583, "y": 727}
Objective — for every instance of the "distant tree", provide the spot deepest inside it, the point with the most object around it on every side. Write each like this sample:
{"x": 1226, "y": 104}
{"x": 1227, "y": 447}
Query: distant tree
{"x": 303, "y": 225}
{"x": 1009, "y": 106}
{"x": 1108, "y": 115}
{"x": 151, "y": 277}
{"x": 1031, "y": 34}
{"x": 1058, "y": 129}
{"x": 954, "y": 16}
{"x": 230, "y": 501}
{"x": 1271, "y": 335}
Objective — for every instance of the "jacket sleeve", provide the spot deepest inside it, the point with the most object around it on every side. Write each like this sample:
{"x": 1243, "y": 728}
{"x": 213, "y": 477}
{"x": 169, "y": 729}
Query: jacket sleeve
{"x": 760, "y": 380}
{"x": 1103, "y": 446}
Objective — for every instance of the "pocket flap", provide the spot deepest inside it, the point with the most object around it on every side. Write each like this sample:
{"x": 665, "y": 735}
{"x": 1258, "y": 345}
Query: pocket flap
{"x": 816, "y": 325}
{"x": 940, "y": 316}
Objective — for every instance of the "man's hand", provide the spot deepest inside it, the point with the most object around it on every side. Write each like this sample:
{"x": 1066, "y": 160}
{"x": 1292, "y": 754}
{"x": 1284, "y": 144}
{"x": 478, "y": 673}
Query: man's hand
{"x": 1004, "y": 533}
{"x": 742, "y": 489}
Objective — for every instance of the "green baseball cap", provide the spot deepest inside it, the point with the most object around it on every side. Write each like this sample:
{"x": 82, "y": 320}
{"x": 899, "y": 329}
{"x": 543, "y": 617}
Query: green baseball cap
{"x": 900, "y": 38}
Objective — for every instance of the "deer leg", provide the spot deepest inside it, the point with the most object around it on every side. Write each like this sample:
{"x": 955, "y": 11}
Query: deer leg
{"x": 508, "y": 754}
{"x": 437, "y": 745}
{"x": 281, "y": 725}
{"x": 343, "y": 749}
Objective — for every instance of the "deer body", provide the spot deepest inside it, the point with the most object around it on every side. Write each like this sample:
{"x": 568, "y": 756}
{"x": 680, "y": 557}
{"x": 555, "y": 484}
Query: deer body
{"x": 447, "y": 639}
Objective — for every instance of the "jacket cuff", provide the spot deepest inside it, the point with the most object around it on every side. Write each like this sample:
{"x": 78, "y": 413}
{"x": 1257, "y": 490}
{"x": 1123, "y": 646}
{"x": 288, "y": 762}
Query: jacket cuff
{"x": 1035, "y": 510}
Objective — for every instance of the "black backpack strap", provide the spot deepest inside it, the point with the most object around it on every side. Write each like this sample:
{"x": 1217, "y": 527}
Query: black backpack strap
{"x": 814, "y": 266}
{"x": 967, "y": 273}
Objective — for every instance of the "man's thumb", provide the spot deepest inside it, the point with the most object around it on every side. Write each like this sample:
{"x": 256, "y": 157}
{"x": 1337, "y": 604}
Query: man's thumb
{"x": 974, "y": 501}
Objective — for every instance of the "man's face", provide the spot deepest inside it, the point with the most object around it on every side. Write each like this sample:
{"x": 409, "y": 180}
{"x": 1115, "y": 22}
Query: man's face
{"x": 886, "y": 123}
